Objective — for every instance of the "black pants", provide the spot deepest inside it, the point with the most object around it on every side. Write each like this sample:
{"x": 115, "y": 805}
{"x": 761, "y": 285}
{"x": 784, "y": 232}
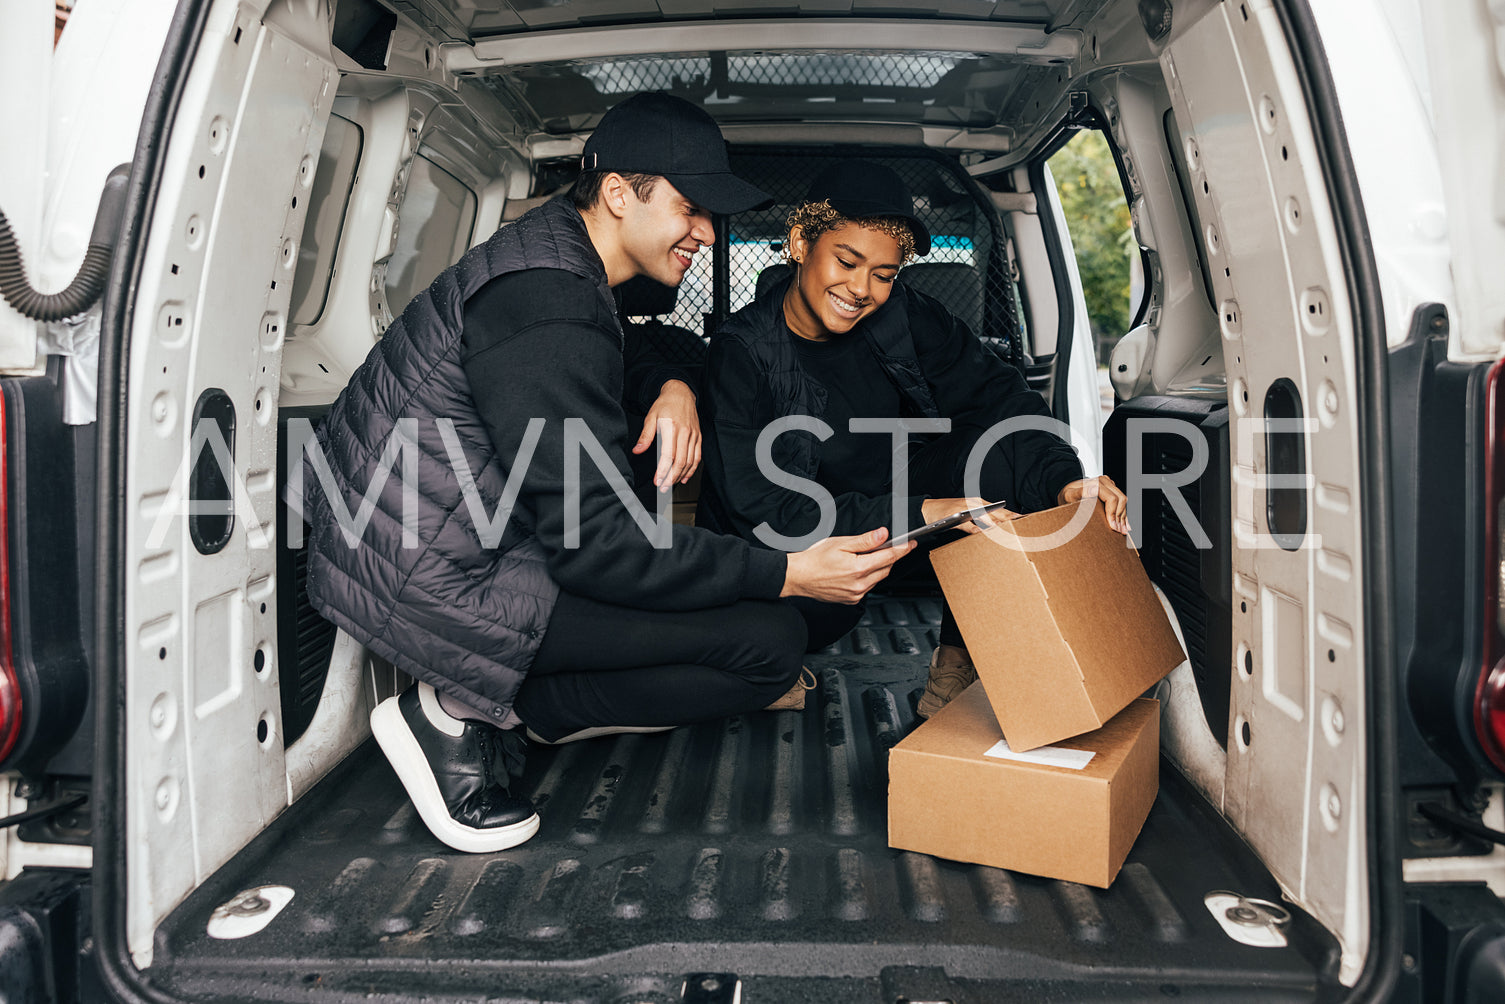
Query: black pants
{"x": 602, "y": 664}
{"x": 937, "y": 469}
{"x": 826, "y": 623}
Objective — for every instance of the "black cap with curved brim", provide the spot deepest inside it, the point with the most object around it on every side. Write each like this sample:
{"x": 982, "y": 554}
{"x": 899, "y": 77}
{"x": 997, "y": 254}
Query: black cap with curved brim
{"x": 859, "y": 189}
{"x": 657, "y": 133}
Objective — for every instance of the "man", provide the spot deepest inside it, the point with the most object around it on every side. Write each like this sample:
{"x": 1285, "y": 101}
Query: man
{"x": 517, "y": 586}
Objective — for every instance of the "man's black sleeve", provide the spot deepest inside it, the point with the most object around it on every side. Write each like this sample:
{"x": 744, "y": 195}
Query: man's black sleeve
{"x": 543, "y": 344}
{"x": 648, "y": 369}
{"x": 976, "y": 389}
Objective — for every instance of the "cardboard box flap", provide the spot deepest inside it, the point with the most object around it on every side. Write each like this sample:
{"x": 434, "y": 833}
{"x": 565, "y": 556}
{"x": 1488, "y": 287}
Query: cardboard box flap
{"x": 1102, "y": 604}
{"x": 969, "y": 729}
{"x": 1010, "y": 634}
{"x": 1039, "y": 525}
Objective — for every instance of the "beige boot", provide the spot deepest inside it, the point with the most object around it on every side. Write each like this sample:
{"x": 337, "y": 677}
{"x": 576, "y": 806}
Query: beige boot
{"x": 951, "y": 672}
{"x": 794, "y": 700}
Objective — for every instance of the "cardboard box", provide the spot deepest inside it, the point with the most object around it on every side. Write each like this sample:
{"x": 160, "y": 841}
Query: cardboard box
{"x": 1063, "y": 636}
{"x": 947, "y": 797}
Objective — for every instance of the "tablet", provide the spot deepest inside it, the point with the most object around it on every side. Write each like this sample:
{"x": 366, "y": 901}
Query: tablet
{"x": 944, "y": 523}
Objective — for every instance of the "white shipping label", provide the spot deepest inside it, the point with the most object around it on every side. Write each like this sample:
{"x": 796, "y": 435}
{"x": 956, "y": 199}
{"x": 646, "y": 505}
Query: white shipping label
{"x": 1047, "y": 756}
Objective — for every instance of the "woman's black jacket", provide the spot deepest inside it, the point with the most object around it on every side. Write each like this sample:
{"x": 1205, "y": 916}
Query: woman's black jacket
{"x": 753, "y": 376}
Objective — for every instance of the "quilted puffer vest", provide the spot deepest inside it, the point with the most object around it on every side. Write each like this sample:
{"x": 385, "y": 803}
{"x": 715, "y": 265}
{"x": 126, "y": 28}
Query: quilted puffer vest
{"x": 423, "y": 591}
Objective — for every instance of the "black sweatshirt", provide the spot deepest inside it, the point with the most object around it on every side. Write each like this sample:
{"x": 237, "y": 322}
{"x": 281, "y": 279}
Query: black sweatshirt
{"x": 971, "y": 386}
{"x": 542, "y": 343}
{"x": 856, "y": 387}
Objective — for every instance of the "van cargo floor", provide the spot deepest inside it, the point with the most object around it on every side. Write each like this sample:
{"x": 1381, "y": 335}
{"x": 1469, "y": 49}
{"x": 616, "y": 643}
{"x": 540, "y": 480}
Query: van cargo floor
{"x": 754, "y": 847}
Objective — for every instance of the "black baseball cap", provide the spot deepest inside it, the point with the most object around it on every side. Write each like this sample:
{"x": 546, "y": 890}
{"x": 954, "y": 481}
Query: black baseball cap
{"x": 858, "y": 189}
{"x": 657, "y": 133}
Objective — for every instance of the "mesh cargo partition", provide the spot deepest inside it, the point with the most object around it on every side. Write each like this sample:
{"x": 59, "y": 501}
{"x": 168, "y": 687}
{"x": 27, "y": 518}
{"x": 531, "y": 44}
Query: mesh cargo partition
{"x": 966, "y": 267}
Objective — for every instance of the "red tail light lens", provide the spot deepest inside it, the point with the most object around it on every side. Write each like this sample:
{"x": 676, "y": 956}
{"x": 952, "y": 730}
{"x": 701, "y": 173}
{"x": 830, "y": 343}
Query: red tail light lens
{"x": 1489, "y": 696}
{"x": 10, "y": 687}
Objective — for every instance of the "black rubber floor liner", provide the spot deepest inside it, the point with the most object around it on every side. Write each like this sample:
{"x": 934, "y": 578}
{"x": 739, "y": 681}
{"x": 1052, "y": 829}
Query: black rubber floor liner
{"x": 754, "y": 849}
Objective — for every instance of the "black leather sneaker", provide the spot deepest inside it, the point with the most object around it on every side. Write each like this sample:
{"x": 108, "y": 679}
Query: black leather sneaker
{"x": 456, "y": 772}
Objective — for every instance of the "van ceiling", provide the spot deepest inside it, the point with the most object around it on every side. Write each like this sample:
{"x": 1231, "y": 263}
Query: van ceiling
{"x": 987, "y": 77}
{"x": 470, "y": 20}
{"x": 963, "y": 90}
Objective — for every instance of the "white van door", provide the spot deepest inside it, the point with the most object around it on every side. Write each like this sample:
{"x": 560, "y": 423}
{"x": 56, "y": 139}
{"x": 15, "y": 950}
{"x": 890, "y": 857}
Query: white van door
{"x": 25, "y": 66}
{"x": 1465, "y": 59}
{"x": 81, "y": 110}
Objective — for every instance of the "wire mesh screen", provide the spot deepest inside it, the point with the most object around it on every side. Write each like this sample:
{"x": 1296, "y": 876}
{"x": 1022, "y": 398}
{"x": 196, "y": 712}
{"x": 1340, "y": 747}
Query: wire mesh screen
{"x": 952, "y": 88}
{"x": 644, "y": 73}
{"x": 740, "y": 71}
{"x": 858, "y": 70}
{"x": 965, "y": 269}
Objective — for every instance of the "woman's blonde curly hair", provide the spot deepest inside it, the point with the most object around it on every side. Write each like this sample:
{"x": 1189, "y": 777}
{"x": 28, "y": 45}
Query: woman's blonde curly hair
{"x": 817, "y": 218}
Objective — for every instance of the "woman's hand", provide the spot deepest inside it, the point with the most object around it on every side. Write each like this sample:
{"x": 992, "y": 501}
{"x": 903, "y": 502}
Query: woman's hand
{"x": 934, "y": 509}
{"x": 842, "y": 569}
{"x": 674, "y": 419}
{"x": 1115, "y": 502}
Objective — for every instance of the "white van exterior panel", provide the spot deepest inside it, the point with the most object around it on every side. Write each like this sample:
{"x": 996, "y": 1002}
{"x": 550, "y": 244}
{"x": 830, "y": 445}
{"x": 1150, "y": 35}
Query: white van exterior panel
{"x": 206, "y": 765}
{"x": 1298, "y": 797}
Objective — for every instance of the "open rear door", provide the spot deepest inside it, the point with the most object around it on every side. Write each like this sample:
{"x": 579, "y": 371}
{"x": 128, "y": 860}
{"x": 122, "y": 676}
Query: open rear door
{"x": 73, "y": 111}
{"x": 25, "y": 67}
{"x": 1465, "y": 50}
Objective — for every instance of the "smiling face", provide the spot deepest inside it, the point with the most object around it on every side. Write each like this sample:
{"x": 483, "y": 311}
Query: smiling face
{"x": 660, "y": 235}
{"x": 843, "y": 276}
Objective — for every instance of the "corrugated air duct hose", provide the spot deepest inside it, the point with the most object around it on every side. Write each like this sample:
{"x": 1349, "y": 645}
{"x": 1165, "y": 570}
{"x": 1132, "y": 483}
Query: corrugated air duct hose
{"x": 89, "y": 283}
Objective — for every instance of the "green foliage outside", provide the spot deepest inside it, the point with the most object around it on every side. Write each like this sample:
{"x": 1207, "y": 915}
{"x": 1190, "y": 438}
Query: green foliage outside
{"x": 1098, "y": 218}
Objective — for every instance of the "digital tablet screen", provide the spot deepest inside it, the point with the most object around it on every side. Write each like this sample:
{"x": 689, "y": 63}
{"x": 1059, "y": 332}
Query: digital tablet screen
{"x": 944, "y": 523}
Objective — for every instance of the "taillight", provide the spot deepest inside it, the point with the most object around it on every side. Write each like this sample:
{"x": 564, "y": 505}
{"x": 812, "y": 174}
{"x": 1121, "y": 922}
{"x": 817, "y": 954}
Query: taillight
{"x": 1489, "y": 696}
{"x": 10, "y": 686}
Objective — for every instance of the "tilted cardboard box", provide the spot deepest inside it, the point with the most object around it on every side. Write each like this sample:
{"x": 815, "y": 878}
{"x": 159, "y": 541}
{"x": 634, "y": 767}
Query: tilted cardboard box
{"x": 948, "y": 797}
{"x": 1060, "y": 619}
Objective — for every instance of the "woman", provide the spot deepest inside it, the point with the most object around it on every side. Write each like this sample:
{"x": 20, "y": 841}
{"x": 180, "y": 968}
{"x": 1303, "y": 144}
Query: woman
{"x": 841, "y": 340}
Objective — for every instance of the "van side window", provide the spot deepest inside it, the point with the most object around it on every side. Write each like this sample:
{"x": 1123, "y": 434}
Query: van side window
{"x": 1107, "y": 255}
{"x": 328, "y": 197}
{"x": 433, "y": 230}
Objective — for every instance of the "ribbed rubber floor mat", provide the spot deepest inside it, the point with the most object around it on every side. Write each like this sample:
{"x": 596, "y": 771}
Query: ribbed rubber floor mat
{"x": 754, "y": 847}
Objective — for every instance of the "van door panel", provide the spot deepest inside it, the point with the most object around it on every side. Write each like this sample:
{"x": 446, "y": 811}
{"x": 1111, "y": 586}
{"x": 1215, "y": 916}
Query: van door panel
{"x": 203, "y": 739}
{"x": 1295, "y": 783}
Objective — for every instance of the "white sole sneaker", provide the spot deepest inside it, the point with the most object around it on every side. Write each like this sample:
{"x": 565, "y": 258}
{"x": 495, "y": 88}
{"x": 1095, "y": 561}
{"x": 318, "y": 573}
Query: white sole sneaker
{"x": 403, "y": 752}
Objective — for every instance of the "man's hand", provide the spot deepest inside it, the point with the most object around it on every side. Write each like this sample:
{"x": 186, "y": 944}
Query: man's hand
{"x": 1115, "y": 502}
{"x": 675, "y": 421}
{"x": 934, "y": 509}
{"x": 838, "y": 571}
